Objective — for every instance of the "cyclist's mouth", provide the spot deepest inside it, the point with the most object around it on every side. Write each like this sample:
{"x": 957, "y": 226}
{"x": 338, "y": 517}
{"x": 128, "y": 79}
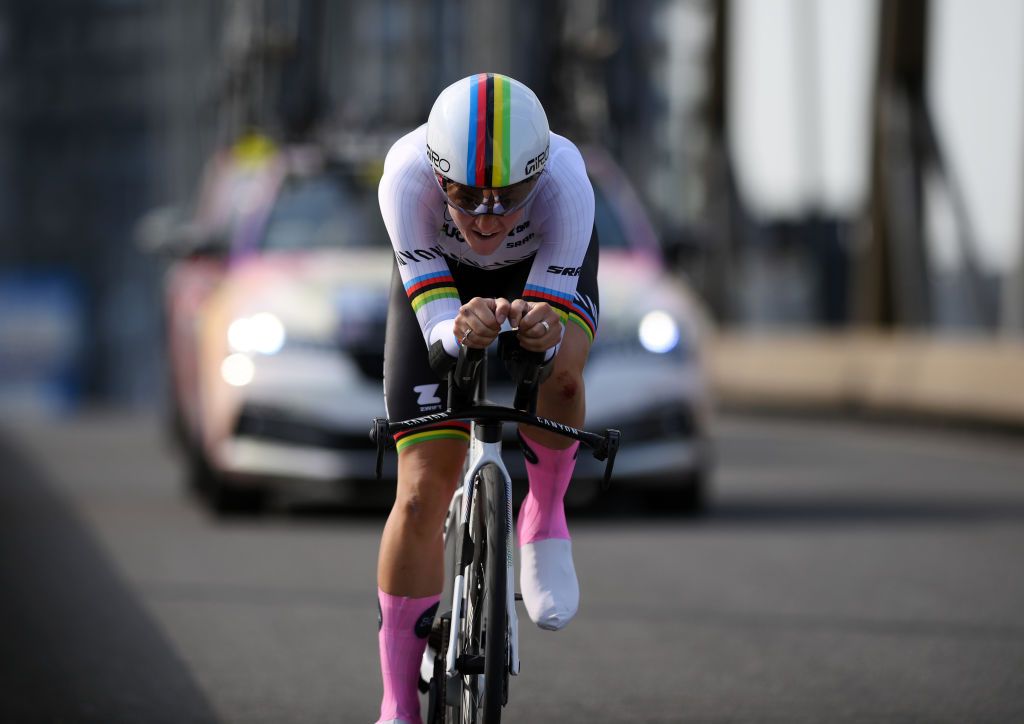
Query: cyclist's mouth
{"x": 485, "y": 243}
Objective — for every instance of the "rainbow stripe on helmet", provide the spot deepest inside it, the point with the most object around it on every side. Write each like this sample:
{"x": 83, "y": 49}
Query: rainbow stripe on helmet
{"x": 488, "y": 156}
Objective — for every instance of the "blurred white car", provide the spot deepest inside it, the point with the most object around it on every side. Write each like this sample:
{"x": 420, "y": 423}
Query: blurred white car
{"x": 276, "y": 336}
{"x": 646, "y": 375}
{"x": 288, "y": 345}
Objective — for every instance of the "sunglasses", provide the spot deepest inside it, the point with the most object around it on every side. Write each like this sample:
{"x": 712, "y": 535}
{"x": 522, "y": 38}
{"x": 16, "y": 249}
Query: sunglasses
{"x": 498, "y": 201}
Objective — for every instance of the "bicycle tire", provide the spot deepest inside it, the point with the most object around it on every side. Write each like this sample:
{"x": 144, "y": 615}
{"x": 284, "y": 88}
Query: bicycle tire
{"x": 486, "y": 601}
{"x": 496, "y": 657}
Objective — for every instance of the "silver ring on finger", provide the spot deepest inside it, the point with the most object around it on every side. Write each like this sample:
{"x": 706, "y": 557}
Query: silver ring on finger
{"x": 469, "y": 331}
{"x": 547, "y": 327}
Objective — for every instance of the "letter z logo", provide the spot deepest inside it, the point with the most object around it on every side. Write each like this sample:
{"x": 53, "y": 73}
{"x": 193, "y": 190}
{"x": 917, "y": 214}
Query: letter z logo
{"x": 427, "y": 395}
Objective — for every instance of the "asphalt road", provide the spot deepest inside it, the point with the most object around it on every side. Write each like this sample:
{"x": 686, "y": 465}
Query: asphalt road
{"x": 847, "y": 573}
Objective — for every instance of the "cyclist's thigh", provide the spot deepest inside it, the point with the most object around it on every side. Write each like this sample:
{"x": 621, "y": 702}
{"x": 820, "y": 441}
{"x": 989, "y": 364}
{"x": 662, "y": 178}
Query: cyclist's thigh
{"x": 428, "y": 471}
{"x": 411, "y": 388}
{"x": 574, "y": 350}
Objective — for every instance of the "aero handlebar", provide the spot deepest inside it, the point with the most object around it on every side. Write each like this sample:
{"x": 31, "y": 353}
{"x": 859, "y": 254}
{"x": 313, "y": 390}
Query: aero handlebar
{"x": 465, "y": 402}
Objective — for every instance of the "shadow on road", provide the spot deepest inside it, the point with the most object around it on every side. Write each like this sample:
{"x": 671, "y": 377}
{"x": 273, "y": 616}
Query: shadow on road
{"x": 77, "y": 646}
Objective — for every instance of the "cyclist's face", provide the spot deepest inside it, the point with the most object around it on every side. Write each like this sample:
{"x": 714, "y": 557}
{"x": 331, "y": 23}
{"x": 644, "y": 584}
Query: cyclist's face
{"x": 487, "y": 232}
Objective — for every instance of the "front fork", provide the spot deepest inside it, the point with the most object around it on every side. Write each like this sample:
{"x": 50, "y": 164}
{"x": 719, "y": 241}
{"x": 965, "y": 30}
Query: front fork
{"x": 479, "y": 454}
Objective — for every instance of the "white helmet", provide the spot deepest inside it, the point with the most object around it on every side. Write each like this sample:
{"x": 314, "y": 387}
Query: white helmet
{"x": 487, "y": 131}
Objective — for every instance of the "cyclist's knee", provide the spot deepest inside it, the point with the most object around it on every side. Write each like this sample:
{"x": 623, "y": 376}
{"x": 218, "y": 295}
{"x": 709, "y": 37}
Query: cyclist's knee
{"x": 566, "y": 381}
{"x": 420, "y": 506}
{"x": 418, "y": 515}
{"x": 427, "y": 475}
{"x": 564, "y": 385}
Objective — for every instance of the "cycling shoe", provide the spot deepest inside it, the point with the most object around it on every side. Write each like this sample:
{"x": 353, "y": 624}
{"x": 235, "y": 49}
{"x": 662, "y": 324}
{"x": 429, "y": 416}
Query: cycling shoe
{"x": 548, "y": 581}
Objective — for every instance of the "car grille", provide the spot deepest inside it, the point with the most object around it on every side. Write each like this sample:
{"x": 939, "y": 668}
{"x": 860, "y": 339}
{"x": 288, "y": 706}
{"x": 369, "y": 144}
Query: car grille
{"x": 667, "y": 422}
{"x": 281, "y": 426}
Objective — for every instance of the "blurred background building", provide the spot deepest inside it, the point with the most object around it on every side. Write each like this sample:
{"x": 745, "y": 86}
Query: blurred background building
{"x": 811, "y": 163}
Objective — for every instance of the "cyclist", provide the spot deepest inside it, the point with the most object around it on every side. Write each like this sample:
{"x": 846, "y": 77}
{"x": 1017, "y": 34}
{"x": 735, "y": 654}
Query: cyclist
{"x": 491, "y": 216}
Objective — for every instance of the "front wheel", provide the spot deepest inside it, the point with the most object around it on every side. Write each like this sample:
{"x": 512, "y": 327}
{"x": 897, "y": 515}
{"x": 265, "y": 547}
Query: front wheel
{"x": 499, "y": 553}
{"x": 485, "y": 653}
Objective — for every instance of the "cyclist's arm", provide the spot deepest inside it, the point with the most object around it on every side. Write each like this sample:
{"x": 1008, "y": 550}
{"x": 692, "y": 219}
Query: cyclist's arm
{"x": 411, "y": 206}
{"x": 566, "y": 208}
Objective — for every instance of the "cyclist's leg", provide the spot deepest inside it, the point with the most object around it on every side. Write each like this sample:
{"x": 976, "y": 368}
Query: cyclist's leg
{"x": 547, "y": 576}
{"x": 562, "y": 395}
{"x": 410, "y": 566}
{"x": 411, "y": 560}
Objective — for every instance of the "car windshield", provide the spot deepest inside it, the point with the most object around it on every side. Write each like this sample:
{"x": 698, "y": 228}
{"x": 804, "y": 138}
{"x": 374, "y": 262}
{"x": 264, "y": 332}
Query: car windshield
{"x": 331, "y": 210}
{"x": 610, "y": 233}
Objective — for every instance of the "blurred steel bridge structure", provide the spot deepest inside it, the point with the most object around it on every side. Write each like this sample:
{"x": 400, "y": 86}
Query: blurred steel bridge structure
{"x": 137, "y": 95}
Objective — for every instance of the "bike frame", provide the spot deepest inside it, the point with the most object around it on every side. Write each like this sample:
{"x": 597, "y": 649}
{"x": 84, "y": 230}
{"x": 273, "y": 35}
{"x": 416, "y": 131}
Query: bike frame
{"x": 466, "y": 401}
{"x": 480, "y": 454}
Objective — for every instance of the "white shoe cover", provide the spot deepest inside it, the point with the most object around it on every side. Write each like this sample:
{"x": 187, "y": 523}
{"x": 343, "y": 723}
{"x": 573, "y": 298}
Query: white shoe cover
{"x": 427, "y": 664}
{"x": 548, "y": 582}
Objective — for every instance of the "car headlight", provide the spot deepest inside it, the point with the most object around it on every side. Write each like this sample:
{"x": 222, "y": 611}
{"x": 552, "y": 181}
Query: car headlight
{"x": 237, "y": 370}
{"x": 658, "y": 332}
{"x": 263, "y": 333}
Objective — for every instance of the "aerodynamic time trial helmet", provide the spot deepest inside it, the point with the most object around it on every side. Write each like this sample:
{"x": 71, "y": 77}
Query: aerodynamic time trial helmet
{"x": 487, "y": 142}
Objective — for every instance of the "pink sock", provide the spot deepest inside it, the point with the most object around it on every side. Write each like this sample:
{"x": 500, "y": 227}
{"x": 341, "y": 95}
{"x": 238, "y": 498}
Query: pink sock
{"x": 542, "y": 514}
{"x": 404, "y": 626}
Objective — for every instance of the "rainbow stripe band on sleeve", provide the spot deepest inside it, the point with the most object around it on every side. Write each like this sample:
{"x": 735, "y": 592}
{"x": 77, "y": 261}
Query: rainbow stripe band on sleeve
{"x": 489, "y": 144}
{"x": 430, "y": 287}
{"x": 565, "y": 305}
{"x": 455, "y": 430}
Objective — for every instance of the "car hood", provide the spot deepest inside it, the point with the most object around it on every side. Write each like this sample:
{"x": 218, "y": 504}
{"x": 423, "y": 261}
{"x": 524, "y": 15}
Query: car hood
{"x": 312, "y": 292}
{"x": 317, "y": 292}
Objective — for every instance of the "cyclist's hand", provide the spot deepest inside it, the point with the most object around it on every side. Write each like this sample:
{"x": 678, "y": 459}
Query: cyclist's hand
{"x": 482, "y": 319}
{"x": 533, "y": 335}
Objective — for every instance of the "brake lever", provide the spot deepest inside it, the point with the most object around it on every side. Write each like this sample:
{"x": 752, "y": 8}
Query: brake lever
{"x": 609, "y": 448}
{"x": 379, "y": 435}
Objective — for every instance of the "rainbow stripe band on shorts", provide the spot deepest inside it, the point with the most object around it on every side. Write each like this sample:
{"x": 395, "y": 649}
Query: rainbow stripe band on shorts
{"x": 582, "y": 323}
{"x": 455, "y": 430}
